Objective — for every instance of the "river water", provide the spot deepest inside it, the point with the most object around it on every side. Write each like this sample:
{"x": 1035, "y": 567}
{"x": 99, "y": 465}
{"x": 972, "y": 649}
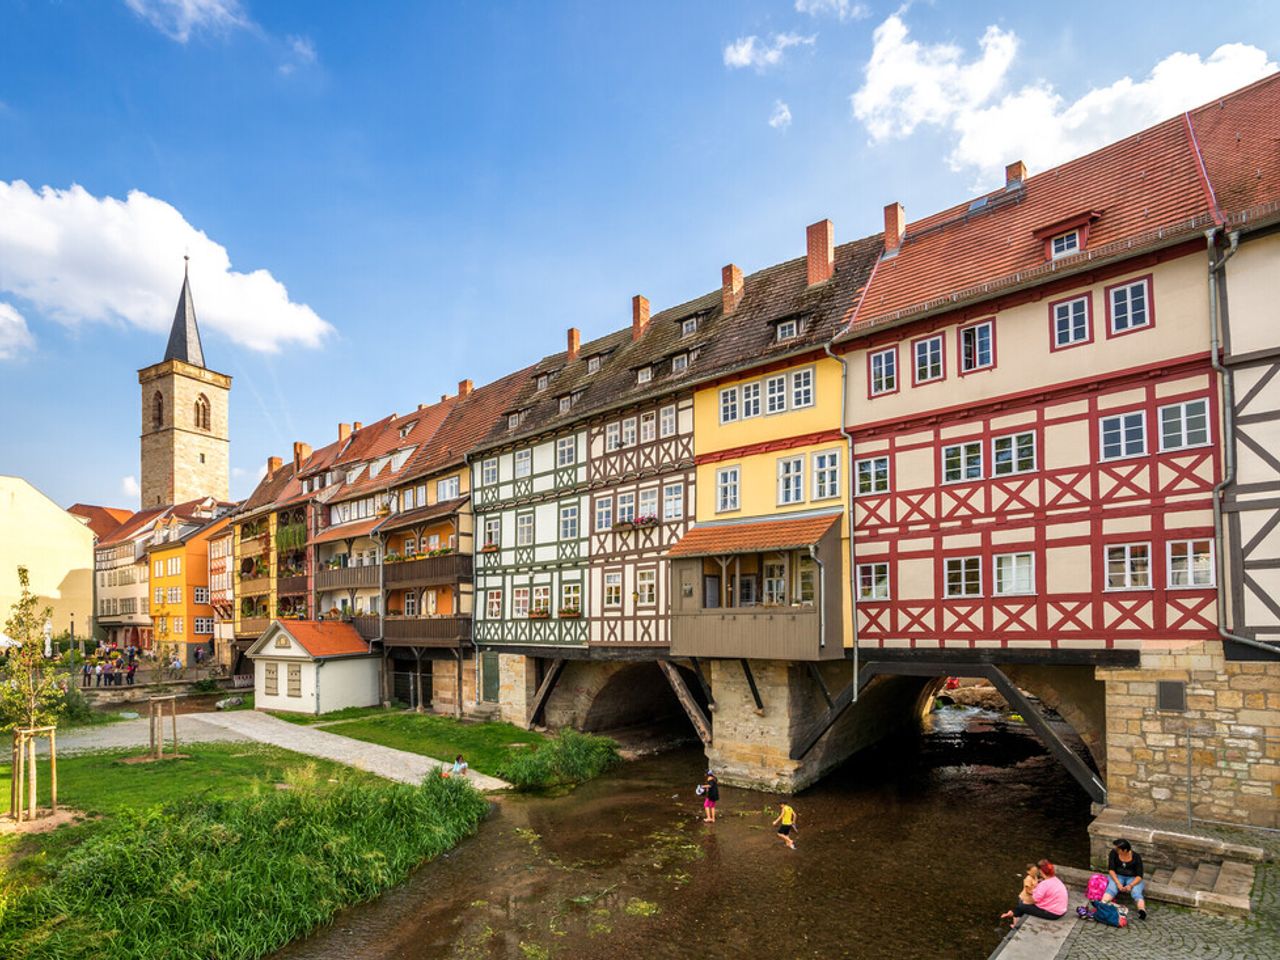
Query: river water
{"x": 910, "y": 851}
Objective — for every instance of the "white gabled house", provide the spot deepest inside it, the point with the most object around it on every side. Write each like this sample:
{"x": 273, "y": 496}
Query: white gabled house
{"x": 313, "y": 667}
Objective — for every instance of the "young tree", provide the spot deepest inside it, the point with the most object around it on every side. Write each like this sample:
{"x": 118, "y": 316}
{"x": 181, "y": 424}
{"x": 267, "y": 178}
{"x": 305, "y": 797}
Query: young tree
{"x": 30, "y": 695}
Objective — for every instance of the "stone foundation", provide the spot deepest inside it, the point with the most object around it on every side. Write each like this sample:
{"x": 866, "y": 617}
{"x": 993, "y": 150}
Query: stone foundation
{"x": 1220, "y": 757}
{"x": 444, "y": 686}
{"x": 517, "y": 683}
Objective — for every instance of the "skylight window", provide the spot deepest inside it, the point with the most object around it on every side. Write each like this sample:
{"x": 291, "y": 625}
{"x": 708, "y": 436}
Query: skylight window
{"x": 1065, "y": 243}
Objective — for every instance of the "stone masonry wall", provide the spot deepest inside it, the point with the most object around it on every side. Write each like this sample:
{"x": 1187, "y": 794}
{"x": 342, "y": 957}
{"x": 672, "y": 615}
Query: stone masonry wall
{"x": 444, "y": 683}
{"x": 517, "y": 683}
{"x": 1231, "y": 725}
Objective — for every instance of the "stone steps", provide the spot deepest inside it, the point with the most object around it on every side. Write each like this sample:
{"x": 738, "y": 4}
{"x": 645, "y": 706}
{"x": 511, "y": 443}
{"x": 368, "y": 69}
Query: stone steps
{"x": 1220, "y": 887}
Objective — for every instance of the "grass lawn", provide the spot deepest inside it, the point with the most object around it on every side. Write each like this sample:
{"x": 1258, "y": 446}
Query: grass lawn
{"x": 206, "y": 856}
{"x": 346, "y": 713}
{"x": 485, "y": 745}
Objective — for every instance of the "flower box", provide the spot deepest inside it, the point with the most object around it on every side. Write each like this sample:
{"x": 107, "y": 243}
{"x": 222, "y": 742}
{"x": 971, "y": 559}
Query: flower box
{"x": 490, "y": 548}
{"x": 542, "y": 613}
{"x": 636, "y": 524}
{"x": 570, "y": 613}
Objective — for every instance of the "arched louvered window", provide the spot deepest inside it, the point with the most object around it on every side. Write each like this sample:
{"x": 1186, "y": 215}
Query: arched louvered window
{"x": 157, "y": 411}
{"x": 202, "y": 412}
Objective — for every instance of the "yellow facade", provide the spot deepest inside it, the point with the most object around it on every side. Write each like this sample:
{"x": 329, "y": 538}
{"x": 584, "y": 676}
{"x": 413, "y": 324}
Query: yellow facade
{"x": 179, "y": 592}
{"x": 756, "y": 445}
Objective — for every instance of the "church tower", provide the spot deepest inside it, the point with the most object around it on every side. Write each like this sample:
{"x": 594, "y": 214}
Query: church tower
{"x": 185, "y": 436}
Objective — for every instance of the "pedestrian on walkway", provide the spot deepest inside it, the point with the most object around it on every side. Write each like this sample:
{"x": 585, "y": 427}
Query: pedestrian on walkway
{"x": 786, "y": 823}
{"x": 97, "y": 674}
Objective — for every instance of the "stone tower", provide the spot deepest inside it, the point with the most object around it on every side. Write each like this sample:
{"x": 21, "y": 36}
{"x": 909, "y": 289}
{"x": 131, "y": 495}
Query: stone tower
{"x": 185, "y": 436}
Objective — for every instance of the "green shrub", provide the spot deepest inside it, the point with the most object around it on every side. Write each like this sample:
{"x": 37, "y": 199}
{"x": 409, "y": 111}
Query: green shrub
{"x": 570, "y": 758}
{"x": 233, "y": 878}
{"x": 206, "y": 685}
{"x": 74, "y": 709}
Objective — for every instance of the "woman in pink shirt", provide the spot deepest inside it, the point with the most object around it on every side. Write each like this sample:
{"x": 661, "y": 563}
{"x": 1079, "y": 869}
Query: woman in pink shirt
{"x": 1049, "y": 898}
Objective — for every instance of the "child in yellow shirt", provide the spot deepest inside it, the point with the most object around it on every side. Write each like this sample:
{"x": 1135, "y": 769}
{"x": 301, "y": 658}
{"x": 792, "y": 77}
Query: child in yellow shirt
{"x": 786, "y": 824}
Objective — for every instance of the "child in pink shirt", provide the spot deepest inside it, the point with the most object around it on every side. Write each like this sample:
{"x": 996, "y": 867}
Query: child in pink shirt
{"x": 1049, "y": 898}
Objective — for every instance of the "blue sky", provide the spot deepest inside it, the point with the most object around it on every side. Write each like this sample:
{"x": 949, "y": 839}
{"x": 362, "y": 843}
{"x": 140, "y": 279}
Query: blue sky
{"x": 380, "y": 203}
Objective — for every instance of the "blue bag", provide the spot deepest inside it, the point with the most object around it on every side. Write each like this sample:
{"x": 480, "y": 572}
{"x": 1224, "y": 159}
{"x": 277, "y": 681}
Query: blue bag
{"x": 1107, "y": 913}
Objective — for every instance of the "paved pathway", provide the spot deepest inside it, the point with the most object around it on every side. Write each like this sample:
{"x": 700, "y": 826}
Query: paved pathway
{"x": 1037, "y": 939}
{"x": 192, "y": 728}
{"x": 384, "y": 761}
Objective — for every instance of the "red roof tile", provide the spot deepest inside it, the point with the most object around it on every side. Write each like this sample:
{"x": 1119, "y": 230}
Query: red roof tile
{"x": 1239, "y": 138}
{"x": 132, "y": 526}
{"x": 398, "y": 521}
{"x": 325, "y": 638}
{"x": 101, "y": 520}
{"x": 359, "y": 528}
{"x": 753, "y": 536}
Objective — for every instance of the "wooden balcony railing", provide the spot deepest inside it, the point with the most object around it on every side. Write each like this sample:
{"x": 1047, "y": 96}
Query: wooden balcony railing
{"x": 253, "y": 546}
{"x": 426, "y": 631}
{"x": 429, "y": 571}
{"x": 756, "y": 633}
{"x": 346, "y": 578}
{"x": 252, "y": 626}
{"x": 257, "y": 585}
{"x": 366, "y": 625}
{"x": 291, "y": 586}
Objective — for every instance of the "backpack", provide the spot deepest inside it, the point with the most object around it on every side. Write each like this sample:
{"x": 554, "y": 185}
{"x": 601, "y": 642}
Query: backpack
{"x": 1108, "y": 913}
{"x": 1097, "y": 887}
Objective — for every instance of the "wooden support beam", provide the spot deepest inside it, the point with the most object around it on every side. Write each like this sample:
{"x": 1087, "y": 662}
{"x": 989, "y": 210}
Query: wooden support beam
{"x": 842, "y": 700}
{"x": 699, "y": 719}
{"x": 822, "y": 684}
{"x": 1085, "y": 776}
{"x": 539, "y": 705}
{"x": 751, "y": 682}
{"x": 702, "y": 681}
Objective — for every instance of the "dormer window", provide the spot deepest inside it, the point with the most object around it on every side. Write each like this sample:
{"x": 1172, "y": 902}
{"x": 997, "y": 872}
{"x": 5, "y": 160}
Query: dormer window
{"x": 644, "y": 374}
{"x": 593, "y": 365}
{"x": 680, "y": 363}
{"x": 1065, "y": 243}
{"x": 513, "y": 420}
{"x": 688, "y": 326}
{"x": 787, "y": 330}
{"x": 543, "y": 380}
{"x": 565, "y": 403}
{"x": 406, "y": 430}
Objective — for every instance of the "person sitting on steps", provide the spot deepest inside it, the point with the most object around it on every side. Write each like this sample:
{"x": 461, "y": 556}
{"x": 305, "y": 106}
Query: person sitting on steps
{"x": 1124, "y": 869}
{"x": 1049, "y": 898}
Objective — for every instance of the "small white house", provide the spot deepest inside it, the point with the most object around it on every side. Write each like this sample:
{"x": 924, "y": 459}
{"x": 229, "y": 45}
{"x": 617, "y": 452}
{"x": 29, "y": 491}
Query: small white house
{"x": 309, "y": 666}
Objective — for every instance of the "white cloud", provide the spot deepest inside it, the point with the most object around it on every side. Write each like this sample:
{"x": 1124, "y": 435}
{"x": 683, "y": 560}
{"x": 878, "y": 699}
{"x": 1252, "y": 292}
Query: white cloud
{"x": 79, "y": 258}
{"x": 754, "y": 52}
{"x": 301, "y": 52}
{"x": 178, "y": 19}
{"x": 908, "y": 84}
{"x": 781, "y": 117}
{"x": 129, "y": 486}
{"x": 841, "y": 9}
{"x": 239, "y": 473}
{"x": 15, "y": 337}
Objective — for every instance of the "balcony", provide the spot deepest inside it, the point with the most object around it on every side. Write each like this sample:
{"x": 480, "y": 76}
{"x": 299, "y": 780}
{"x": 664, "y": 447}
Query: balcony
{"x": 253, "y": 546}
{"x": 429, "y": 571}
{"x": 252, "y": 626}
{"x": 426, "y": 631}
{"x": 345, "y": 578}
{"x": 754, "y": 633}
{"x": 366, "y": 625}
{"x": 255, "y": 586}
{"x": 291, "y": 586}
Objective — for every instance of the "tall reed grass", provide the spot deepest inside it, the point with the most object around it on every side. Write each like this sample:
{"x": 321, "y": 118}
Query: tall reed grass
{"x": 567, "y": 759}
{"x": 233, "y": 879}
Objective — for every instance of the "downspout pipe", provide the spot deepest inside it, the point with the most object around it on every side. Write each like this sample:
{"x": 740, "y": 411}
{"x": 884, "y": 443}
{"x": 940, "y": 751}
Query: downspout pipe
{"x": 822, "y": 596}
{"x": 1218, "y": 316}
{"x": 853, "y": 570}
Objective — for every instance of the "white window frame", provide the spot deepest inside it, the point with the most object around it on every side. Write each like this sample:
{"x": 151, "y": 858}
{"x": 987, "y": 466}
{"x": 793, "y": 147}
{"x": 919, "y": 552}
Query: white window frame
{"x": 646, "y": 587}
{"x": 647, "y": 502}
{"x": 629, "y": 432}
{"x": 447, "y": 489}
{"x": 566, "y": 451}
{"x": 974, "y": 328}
{"x": 644, "y": 374}
{"x": 775, "y": 394}
{"x": 967, "y": 449}
{"x": 523, "y": 463}
{"x": 626, "y": 508}
{"x": 925, "y": 348}
{"x": 728, "y": 489}
{"x": 1070, "y": 318}
{"x": 729, "y": 405}
{"x": 1000, "y": 590}
{"x": 493, "y": 604}
{"x": 1126, "y": 556}
{"x": 613, "y": 437}
{"x": 866, "y": 468}
{"x": 967, "y": 565}
{"x": 540, "y": 599}
{"x": 1064, "y": 244}
{"x": 826, "y": 474}
{"x": 613, "y": 589}
{"x": 1209, "y": 581}
{"x": 804, "y": 389}
{"x": 1182, "y": 413}
{"x": 667, "y": 422}
{"x": 1013, "y": 466}
{"x": 688, "y": 326}
{"x": 520, "y": 597}
{"x": 788, "y": 330}
{"x": 1123, "y": 419}
{"x": 568, "y": 521}
{"x": 201, "y": 595}
{"x": 571, "y": 594}
{"x": 513, "y": 420}
{"x": 750, "y": 400}
{"x": 883, "y": 370}
{"x": 543, "y": 380}
{"x": 593, "y": 364}
{"x": 680, "y": 363}
{"x": 790, "y": 474}
{"x": 673, "y": 501}
{"x": 604, "y": 514}
{"x": 493, "y": 531}
{"x": 525, "y": 530}
{"x": 1126, "y": 289}
{"x": 873, "y": 581}
{"x": 648, "y": 427}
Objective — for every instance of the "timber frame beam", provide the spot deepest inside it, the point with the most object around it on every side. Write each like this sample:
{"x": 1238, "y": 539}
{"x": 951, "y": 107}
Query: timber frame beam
{"x": 700, "y": 721}
{"x": 539, "y": 705}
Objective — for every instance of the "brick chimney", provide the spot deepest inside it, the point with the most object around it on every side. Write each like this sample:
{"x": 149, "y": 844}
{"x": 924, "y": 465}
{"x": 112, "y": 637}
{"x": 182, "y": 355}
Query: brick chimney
{"x": 357, "y": 425}
{"x": 344, "y": 431}
{"x": 1015, "y": 173}
{"x": 300, "y": 453}
{"x": 464, "y": 388}
{"x": 574, "y": 342}
{"x": 822, "y": 251}
{"x": 895, "y": 226}
{"x": 273, "y": 464}
{"x": 730, "y": 288}
{"x": 639, "y": 316}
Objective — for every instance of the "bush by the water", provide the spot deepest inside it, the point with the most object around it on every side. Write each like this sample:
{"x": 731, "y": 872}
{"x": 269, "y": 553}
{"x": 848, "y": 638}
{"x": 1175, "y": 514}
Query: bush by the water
{"x": 569, "y": 758}
{"x": 233, "y": 879}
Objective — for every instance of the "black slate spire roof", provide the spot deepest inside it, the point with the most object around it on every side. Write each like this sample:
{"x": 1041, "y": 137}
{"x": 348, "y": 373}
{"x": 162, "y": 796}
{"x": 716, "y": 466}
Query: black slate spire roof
{"x": 184, "y": 338}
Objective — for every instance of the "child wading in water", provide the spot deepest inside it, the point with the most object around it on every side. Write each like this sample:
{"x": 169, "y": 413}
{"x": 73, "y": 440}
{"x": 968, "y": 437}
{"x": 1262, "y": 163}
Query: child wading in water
{"x": 710, "y": 797}
{"x": 786, "y": 824}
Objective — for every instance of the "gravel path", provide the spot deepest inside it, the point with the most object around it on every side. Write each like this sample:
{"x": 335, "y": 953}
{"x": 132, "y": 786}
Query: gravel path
{"x": 384, "y": 761}
{"x": 192, "y": 728}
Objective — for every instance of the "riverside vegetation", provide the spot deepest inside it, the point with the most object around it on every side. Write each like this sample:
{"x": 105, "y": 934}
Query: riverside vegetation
{"x": 227, "y": 864}
{"x": 565, "y": 760}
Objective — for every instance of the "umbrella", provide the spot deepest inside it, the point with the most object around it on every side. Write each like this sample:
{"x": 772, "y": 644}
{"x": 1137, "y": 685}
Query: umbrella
{"x": 6, "y": 643}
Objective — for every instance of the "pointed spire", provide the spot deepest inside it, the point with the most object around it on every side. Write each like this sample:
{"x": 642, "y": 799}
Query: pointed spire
{"x": 184, "y": 338}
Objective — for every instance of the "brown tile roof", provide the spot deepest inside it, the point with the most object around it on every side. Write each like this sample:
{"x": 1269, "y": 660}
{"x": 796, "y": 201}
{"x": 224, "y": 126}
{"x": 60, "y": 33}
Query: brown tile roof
{"x": 325, "y": 638}
{"x": 742, "y": 340}
{"x": 132, "y": 526}
{"x": 1143, "y": 186}
{"x": 398, "y": 521}
{"x": 753, "y": 536}
{"x": 357, "y": 528}
{"x": 1239, "y": 139}
{"x": 101, "y": 520}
